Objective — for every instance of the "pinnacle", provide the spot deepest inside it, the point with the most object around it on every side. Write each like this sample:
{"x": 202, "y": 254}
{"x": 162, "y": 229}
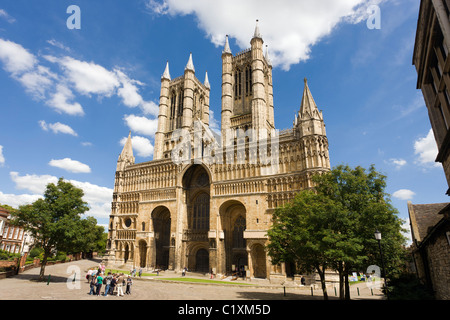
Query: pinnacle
{"x": 190, "y": 64}
{"x": 166, "y": 74}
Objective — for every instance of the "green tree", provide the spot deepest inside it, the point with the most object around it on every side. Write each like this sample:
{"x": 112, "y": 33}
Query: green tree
{"x": 304, "y": 232}
{"x": 361, "y": 193}
{"x": 333, "y": 225}
{"x": 54, "y": 221}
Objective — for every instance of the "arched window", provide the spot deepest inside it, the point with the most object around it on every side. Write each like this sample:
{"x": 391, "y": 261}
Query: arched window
{"x": 200, "y": 214}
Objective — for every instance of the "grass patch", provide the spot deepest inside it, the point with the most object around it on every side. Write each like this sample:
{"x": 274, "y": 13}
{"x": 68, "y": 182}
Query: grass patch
{"x": 205, "y": 281}
{"x": 128, "y": 272}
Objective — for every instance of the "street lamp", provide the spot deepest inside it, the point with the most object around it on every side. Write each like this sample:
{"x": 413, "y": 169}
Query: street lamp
{"x": 378, "y": 238}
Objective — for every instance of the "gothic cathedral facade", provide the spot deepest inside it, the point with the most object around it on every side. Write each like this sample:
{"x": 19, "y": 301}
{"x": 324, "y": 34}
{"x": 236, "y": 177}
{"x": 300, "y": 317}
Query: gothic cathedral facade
{"x": 212, "y": 213}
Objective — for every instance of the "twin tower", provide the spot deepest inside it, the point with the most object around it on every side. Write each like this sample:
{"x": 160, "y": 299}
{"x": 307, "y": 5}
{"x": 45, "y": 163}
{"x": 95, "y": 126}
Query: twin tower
{"x": 247, "y": 96}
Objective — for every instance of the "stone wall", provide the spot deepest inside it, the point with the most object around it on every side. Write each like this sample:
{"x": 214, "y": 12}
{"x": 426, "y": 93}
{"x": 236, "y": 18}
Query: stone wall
{"x": 438, "y": 252}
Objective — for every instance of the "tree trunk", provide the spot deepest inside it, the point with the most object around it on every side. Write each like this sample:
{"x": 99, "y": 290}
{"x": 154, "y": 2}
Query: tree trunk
{"x": 322, "y": 281}
{"x": 43, "y": 264}
{"x": 347, "y": 287}
{"x": 341, "y": 281}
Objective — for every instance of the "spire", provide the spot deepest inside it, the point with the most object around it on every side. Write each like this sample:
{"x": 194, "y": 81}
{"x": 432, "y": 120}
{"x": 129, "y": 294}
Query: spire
{"x": 226, "y": 48}
{"x": 267, "y": 56}
{"x": 308, "y": 107}
{"x": 126, "y": 157}
{"x": 166, "y": 74}
{"x": 257, "y": 34}
{"x": 190, "y": 64}
{"x": 207, "y": 81}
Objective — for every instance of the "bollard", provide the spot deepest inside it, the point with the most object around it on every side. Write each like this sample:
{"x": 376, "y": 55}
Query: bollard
{"x": 335, "y": 292}
{"x": 358, "y": 291}
{"x": 312, "y": 291}
{"x": 371, "y": 290}
{"x": 284, "y": 289}
{"x": 48, "y": 281}
{"x": 74, "y": 277}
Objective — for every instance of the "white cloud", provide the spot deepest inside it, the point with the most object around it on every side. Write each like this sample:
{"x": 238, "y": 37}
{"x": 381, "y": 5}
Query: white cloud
{"x": 57, "y": 128}
{"x": 141, "y": 145}
{"x": 88, "y": 77}
{"x": 398, "y": 163}
{"x": 33, "y": 183}
{"x": 404, "y": 194}
{"x": 2, "y": 157}
{"x": 70, "y": 165}
{"x": 427, "y": 151}
{"x": 290, "y": 28}
{"x": 16, "y": 59}
{"x": 5, "y": 15}
{"x": 80, "y": 77}
{"x": 98, "y": 198}
{"x": 16, "y": 200}
{"x": 60, "y": 101}
{"x": 141, "y": 125}
{"x": 58, "y": 44}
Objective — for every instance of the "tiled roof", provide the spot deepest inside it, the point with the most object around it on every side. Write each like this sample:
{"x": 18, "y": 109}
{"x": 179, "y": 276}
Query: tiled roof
{"x": 423, "y": 217}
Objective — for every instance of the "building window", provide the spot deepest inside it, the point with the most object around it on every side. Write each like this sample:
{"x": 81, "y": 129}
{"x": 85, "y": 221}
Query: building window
{"x": 238, "y": 233}
{"x": 200, "y": 219}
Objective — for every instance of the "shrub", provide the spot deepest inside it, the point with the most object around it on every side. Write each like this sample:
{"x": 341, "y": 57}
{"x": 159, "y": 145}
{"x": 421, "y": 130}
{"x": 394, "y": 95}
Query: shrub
{"x": 408, "y": 287}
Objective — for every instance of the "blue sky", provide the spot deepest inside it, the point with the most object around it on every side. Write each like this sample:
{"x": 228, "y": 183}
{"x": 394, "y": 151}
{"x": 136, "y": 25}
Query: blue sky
{"x": 68, "y": 97}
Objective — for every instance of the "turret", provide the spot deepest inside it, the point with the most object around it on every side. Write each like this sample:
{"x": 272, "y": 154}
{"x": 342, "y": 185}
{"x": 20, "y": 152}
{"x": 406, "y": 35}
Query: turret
{"x": 188, "y": 102}
{"x": 162, "y": 115}
{"x": 227, "y": 90}
{"x": 259, "y": 103}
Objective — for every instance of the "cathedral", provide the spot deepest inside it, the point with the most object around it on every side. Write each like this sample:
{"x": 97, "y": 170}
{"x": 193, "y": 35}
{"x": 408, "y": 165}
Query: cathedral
{"x": 205, "y": 201}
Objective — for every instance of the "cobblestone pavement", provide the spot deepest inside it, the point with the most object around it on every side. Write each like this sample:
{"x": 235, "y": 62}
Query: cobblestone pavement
{"x": 62, "y": 287}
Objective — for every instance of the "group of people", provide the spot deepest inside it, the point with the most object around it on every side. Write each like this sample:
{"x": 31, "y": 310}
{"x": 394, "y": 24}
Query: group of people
{"x": 114, "y": 283}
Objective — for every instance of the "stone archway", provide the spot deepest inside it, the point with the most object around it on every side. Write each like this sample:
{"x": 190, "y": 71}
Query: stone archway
{"x": 233, "y": 220}
{"x": 161, "y": 228}
{"x": 142, "y": 253}
{"x": 258, "y": 256}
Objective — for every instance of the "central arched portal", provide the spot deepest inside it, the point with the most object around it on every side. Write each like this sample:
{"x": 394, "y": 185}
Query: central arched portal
{"x": 161, "y": 227}
{"x": 196, "y": 187}
{"x": 233, "y": 220}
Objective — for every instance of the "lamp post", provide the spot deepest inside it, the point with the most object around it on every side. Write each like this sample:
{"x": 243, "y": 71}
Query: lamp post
{"x": 378, "y": 238}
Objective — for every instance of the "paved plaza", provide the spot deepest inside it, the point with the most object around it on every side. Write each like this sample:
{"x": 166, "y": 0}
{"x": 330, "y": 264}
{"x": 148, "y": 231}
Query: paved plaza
{"x": 62, "y": 287}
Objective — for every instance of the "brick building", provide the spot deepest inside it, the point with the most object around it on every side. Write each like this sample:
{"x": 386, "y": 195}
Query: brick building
{"x": 12, "y": 238}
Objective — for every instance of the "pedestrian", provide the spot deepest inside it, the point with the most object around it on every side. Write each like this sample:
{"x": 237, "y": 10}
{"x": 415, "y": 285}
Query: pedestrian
{"x": 129, "y": 283}
{"x": 113, "y": 284}
{"x": 140, "y": 272}
{"x": 134, "y": 273}
{"x": 120, "y": 285}
{"x": 92, "y": 283}
{"x": 108, "y": 280}
{"x": 99, "y": 284}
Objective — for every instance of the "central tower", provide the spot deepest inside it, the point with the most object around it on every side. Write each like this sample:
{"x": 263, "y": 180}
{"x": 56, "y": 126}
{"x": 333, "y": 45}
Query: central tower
{"x": 247, "y": 92}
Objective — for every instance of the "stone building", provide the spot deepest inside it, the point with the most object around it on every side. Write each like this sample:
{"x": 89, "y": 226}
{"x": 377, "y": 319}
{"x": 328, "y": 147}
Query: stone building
{"x": 206, "y": 200}
{"x": 430, "y": 223}
{"x": 431, "y": 246}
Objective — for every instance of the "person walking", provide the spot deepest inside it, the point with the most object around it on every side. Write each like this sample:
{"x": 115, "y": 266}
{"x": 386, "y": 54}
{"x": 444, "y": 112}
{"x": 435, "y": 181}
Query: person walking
{"x": 129, "y": 283}
{"x": 107, "y": 283}
{"x": 140, "y": 272}
{"x": 120, "y": 285}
